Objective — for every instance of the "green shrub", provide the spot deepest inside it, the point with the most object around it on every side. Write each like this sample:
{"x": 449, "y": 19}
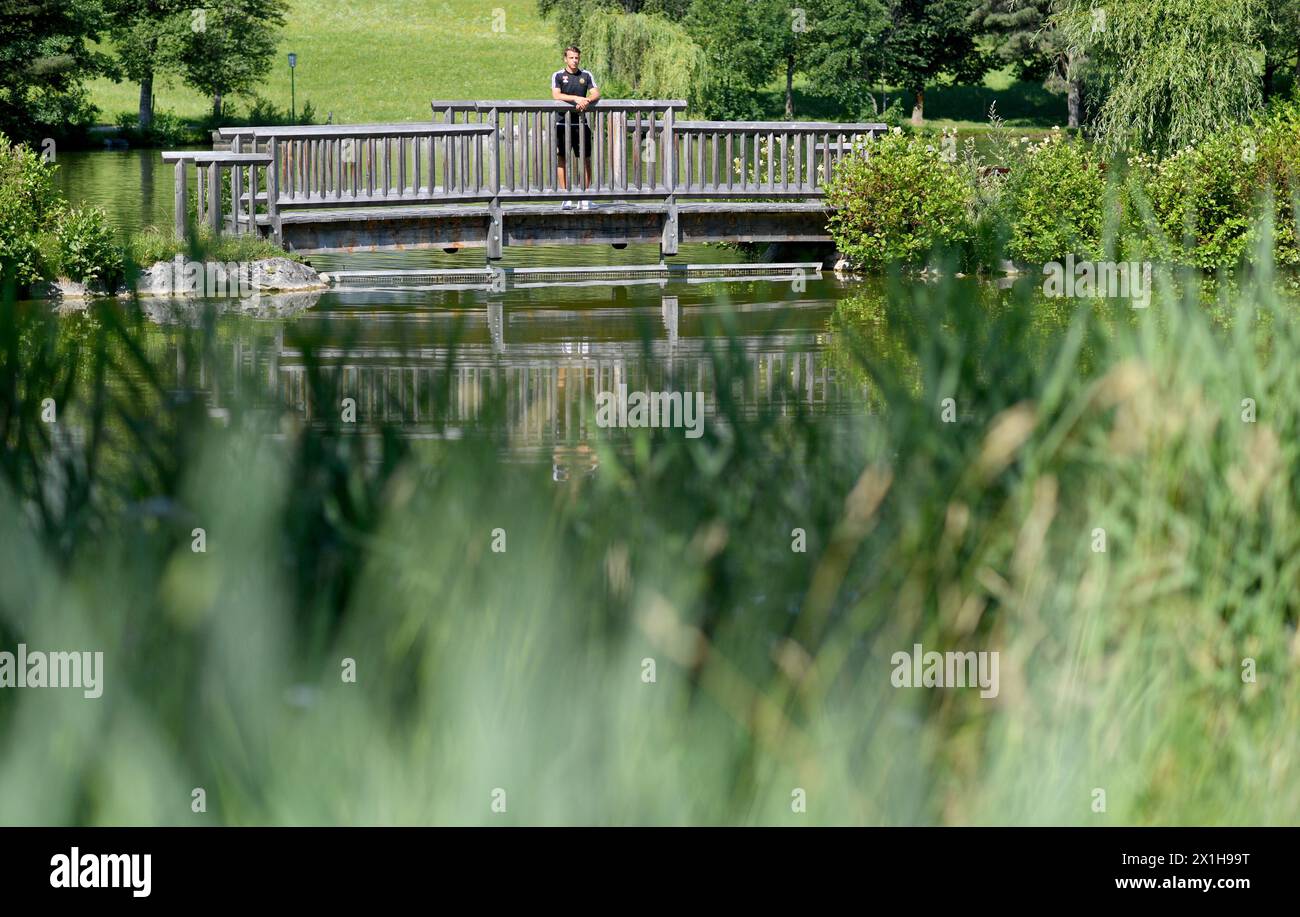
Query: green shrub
{"x": 166, "y": 130}
{"x": 1277, "y": 170}
{"x": 1201, "y": 202}
{"x": 896, "y": 202}
{"x": 29, "y": 204}
{"x": 1054, "y": 197}
{"x": 88, "y": 250}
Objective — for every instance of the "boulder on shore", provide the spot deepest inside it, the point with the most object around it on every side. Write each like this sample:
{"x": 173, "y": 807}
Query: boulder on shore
{"x": 268, "y": 275}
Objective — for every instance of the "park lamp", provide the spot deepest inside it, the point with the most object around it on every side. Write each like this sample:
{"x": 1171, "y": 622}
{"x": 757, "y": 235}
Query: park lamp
{"x": 293, "y": 101}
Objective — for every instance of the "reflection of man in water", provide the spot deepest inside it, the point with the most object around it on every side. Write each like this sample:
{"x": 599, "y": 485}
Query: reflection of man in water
{"x": 568, "y": 459}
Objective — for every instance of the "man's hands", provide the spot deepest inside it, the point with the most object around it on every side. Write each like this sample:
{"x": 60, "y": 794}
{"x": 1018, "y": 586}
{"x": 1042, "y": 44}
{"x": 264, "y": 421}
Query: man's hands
{"x": 578, "y": 101}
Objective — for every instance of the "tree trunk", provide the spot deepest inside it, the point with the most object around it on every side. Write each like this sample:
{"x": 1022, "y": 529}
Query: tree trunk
{"x": 789, "y": 86}
{"x": 146, "y": 102}
{"x": 216, "y": 106}
{"x": 1270, "y": 69}
{"x": 918, "y": 108}
{"x": 1074, "y": 103}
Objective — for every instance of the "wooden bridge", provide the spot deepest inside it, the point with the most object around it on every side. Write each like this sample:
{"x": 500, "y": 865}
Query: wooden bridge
{"x": 488, "y": 174}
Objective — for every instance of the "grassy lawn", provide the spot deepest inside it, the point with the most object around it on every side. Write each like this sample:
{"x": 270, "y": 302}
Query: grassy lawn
{"x": 385, "y": 63}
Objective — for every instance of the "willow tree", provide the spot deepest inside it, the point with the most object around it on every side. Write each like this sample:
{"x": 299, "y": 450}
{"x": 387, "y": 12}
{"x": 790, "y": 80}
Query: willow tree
{"x": 1173, "y": 72}
{"x": 642, "y": 54}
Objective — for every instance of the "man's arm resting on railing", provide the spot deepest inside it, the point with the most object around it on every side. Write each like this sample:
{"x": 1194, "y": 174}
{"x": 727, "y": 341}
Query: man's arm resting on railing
{"x": 593, "y": 94}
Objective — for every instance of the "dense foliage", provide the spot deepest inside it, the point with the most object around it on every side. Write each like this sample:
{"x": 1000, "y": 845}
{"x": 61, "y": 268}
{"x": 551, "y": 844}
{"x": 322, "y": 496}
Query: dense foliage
{"x": 1172, "y": 72}
{"x": 897, "y": 202}
{"x": 41, "y": 237}
{"x": 45, "y": 57}
{"x": 1206, "y": 206}
{"x": 641, "y": 56}
{"x": 1054, "y": 198}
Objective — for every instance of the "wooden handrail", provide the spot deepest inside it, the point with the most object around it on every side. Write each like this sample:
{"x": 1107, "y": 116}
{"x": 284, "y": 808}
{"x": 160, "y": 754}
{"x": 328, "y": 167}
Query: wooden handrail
{"x": 832, "y": 127}
{"x": 441, "y": 106}
{"x": 404, "y": 129}
{"x": 203, "y": 157}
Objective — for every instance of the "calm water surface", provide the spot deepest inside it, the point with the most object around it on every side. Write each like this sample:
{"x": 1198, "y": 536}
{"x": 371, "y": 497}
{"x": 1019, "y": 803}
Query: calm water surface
{"x": 550, "y": 349}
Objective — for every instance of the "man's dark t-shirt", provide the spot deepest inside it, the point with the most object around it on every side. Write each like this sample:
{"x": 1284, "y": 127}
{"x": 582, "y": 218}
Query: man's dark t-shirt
{"x": 572, "y": 84}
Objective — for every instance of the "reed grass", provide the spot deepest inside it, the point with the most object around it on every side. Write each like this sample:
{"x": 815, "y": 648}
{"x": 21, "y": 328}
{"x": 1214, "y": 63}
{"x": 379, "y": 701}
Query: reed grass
{"x": 523, "y": 670}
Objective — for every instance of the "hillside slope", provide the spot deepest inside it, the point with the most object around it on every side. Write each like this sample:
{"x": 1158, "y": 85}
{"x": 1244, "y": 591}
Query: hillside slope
{"x": 382, "y": 60}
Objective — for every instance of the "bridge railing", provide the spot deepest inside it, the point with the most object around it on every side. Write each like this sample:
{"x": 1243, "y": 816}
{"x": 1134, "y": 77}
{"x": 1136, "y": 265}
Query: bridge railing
{"x": 508, "y": 150}
{"x": 620, "y": 140}
{"x": 377, "y": 164}
{"x": 244, "y": 170}
{"x": 730, "y": 159}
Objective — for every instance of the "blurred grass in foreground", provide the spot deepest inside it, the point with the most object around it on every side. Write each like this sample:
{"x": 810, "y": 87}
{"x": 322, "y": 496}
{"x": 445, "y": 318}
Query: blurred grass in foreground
{"x": 523, "y": 670}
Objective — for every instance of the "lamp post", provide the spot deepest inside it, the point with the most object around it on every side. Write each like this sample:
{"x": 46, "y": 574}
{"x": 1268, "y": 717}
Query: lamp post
{"x": 293, "y": 99}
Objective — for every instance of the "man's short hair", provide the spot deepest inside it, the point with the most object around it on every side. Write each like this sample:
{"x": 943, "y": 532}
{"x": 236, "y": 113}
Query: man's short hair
{"x": 572, "y": 48}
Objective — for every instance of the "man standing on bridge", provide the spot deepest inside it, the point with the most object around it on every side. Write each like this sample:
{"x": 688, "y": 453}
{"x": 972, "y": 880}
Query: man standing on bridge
{"x": 578, "y": 86}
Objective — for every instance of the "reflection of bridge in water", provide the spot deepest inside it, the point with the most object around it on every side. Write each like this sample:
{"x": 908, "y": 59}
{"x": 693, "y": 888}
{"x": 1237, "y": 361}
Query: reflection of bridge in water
{"x": 542, "y": 379}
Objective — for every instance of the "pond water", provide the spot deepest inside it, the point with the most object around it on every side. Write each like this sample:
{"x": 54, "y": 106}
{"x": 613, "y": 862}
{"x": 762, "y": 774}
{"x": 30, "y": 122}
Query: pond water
{"x": 549, "y": 349}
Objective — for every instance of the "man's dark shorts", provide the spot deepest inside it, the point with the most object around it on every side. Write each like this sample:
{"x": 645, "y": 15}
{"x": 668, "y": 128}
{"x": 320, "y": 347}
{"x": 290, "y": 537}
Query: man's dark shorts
{"x": 579, "y": 133}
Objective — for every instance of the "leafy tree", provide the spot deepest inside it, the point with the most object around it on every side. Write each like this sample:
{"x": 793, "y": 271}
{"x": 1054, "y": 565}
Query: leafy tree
{"x": 44, "y": 61}
{"x": 1280, "y": 35}
{"x": 926, "y": 39}
{"x": 743, "y": 41}
{"x": 1025, "y": 36}
{"x": 1174, "y": 71}
{"x": 843, "y": 55}
{"x": 146, "y": 35}
{"x": 230, "y": 47}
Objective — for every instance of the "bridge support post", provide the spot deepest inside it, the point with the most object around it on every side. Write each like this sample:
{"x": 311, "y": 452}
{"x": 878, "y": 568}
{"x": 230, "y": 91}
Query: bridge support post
{"x": 236, "y": 186}
{"x": 214, "y": 198}
{"x": 668, "y": 245}
{"x": 273, "y": 190}
{"x": 181, "y": 198}
{"x": 495, "y": 229}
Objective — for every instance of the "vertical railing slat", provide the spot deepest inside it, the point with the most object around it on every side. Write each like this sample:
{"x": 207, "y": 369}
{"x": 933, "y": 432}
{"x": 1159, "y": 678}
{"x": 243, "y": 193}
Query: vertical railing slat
{"x": 771, "y": 159}
{"x": 180, "y": 198}
{"x": 713, "y": 153}
{"x": 214, "y": 198}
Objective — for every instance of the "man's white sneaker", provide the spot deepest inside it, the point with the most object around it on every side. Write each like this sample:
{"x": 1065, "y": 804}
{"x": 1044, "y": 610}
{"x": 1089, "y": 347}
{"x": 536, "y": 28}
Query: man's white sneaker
{"x": 585, "y": 205}
{"x": 567, "y": 205}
